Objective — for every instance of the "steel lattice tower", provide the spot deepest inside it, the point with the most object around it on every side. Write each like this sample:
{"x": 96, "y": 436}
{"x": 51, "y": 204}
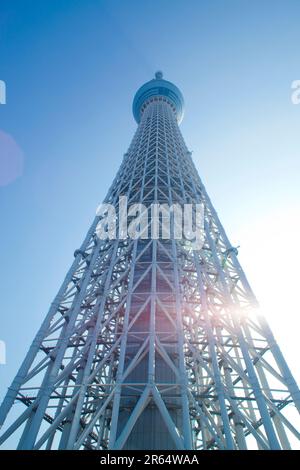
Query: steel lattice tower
{"x": 150, "y": 344}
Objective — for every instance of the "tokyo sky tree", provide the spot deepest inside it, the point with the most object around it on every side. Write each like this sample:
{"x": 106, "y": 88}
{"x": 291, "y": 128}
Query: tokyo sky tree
{"x": 150, "y": 343}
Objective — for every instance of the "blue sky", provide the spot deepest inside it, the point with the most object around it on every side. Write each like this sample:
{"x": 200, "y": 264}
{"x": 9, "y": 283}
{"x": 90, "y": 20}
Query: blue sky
{"x": 71, "y": 69}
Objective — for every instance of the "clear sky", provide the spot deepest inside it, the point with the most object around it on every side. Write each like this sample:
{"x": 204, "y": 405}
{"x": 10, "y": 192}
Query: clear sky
{"x": 71, "y": 68}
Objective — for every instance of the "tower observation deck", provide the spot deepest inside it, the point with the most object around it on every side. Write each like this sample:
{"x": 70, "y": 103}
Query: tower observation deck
{"x": 151, "y": 343}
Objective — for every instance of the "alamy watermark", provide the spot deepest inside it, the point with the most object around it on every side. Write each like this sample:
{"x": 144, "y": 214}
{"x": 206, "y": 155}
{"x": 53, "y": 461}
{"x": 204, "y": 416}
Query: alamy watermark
{"x": 2, "y": 92}
{"x": 295, "y": 96}
{"x": 180, "y": 222}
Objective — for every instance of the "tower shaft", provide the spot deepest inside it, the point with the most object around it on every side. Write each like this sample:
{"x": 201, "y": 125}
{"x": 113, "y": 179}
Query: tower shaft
{"x": 150, "y": 343}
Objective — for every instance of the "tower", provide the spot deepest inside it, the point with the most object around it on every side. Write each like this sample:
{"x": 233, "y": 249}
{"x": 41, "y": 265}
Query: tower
{"x": 150, "y": 343}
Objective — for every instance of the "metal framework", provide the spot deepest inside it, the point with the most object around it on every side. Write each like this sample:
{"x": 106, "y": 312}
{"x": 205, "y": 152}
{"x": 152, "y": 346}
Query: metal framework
{"x": 150, "y": 344}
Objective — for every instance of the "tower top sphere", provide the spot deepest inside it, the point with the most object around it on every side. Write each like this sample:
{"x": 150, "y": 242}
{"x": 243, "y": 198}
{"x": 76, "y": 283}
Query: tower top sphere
{"x": 158, "y": 88}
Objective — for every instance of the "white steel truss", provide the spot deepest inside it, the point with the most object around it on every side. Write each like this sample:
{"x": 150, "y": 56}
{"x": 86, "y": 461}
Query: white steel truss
{"x": 150, "y": 344}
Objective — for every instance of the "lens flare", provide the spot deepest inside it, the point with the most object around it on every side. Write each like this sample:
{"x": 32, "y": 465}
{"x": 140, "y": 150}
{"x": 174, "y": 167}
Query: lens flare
{"x": 11, "y": 159}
